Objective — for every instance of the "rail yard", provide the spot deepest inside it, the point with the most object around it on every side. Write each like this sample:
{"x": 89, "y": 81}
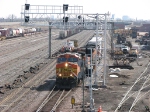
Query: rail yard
{"x": 73, "y": 63}
{"x": 28, "y": 77}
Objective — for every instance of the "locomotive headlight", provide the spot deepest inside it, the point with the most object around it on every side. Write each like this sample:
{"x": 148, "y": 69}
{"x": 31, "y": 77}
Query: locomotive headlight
{"x": 66, "y": 64}
{"x": 59, "y": 75}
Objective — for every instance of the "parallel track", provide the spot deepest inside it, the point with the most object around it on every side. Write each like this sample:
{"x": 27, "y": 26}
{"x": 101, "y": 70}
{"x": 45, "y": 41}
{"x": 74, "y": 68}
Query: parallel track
{"x": 26, "y": 62}
{"x": 22, "y": 91}
{"x": 142, "y": 83}
{"x": 27, "y": 86}
{"x": 52, "y": 101}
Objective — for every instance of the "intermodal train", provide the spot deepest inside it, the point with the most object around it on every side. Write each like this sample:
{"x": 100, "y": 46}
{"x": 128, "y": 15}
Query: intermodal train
{"x": 69, "y": 69}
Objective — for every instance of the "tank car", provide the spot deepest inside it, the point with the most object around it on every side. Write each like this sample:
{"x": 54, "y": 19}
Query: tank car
{"x": 68, "y": 70}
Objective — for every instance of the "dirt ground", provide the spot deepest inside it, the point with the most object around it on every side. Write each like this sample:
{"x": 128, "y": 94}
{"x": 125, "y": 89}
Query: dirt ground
{"x": 18, "y": 55}
{"x": 116, "y": 88}
{"x": 108, "y": 98}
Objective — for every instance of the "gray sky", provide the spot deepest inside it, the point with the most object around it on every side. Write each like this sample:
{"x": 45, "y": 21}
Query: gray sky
{"x": 132, "y": 8}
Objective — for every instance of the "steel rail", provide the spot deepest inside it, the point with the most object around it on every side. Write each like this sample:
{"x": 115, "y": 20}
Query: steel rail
{"x": 123, "y": 100}
{"x": 46, "y": 100}
{"x": 17, "y": 91}
{"x": 136, "y": 99}
{"x": 36, "y": 79}
{"x": 60, "y": 100}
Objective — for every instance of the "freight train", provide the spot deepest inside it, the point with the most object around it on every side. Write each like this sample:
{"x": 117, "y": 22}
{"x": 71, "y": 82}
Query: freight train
{"x": 68, "y": 71}
{"x": 67, "y": 33}
{"x": 69, "y": 65}
{"x": 19, "y": 32}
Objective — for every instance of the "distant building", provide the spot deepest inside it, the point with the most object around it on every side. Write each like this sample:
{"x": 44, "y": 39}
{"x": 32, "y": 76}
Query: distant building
{"x": 140, "y": 27}
{"x": 144, "y": 28}
{"x": 113, "y": 16}
{"x": 118, "y": 19}
{"x": 119, "y": 25}
{"x": 125, "y": 18}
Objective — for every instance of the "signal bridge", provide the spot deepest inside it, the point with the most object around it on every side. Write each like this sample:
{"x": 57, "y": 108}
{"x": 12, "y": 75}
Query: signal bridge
{"x": 61, "y": 16}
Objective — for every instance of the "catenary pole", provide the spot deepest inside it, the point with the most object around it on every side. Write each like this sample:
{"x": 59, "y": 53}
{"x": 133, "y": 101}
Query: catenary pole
{"x": 49, "y": 50}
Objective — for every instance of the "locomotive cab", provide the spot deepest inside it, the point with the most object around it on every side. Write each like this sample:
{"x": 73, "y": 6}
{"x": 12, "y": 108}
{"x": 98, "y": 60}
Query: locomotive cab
{"x": 68, "y": 72}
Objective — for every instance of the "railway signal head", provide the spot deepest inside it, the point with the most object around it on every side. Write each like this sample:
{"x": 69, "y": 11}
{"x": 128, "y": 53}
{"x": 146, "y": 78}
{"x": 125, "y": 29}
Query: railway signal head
{"x": 27, "y": 6}
{"x": 65, "y": 7}
{"x": 65, "y": 19}
{"x": 27, "y": 19}
{"x": 79, "y": 17}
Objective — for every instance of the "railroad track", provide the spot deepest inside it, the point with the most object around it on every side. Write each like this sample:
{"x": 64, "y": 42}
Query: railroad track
{"x": 27, "y": 62}
{"x": 32, "y": 41}
{"x": 52, "y": 101}
{"x": 13, "y": 41}
{"x": 18, "y": 93}
{"x": 141, "y": 83}
{"x": 23, "y": 42}
{"x": 21, "y": 91}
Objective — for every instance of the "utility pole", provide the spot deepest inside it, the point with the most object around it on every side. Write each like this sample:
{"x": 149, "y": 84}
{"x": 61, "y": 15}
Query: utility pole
{"x": 96, "y": 49}
{"x": 105, "y": 41}
{"x": 112, "y": 36}
{"x": 90, "y": 87}
{"x": 49, "y": 56}
{"x": 83, "y": 75}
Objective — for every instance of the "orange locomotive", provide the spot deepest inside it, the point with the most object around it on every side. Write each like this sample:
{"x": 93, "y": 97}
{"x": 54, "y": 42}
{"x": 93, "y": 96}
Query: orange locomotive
{"x": 68, "y": 67}
{"x": 68, "y": 70}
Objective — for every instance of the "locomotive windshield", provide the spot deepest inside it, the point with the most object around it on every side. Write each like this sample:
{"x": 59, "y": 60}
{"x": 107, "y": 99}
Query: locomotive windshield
{"x": 61, "y": 59}
{"x": 72, "y": 59}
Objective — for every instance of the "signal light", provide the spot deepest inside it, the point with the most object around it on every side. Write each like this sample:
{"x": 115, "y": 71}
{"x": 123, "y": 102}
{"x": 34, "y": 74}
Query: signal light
{"x": 79, "y": 17}
{"x": 88, "y": 72}
{"x": 88, "y": 51}
{"x": 27, "y": 19}
{"x": 27, "y": 6}
{"x": 65, "y": 19}
{"x": 65, "y": 7}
